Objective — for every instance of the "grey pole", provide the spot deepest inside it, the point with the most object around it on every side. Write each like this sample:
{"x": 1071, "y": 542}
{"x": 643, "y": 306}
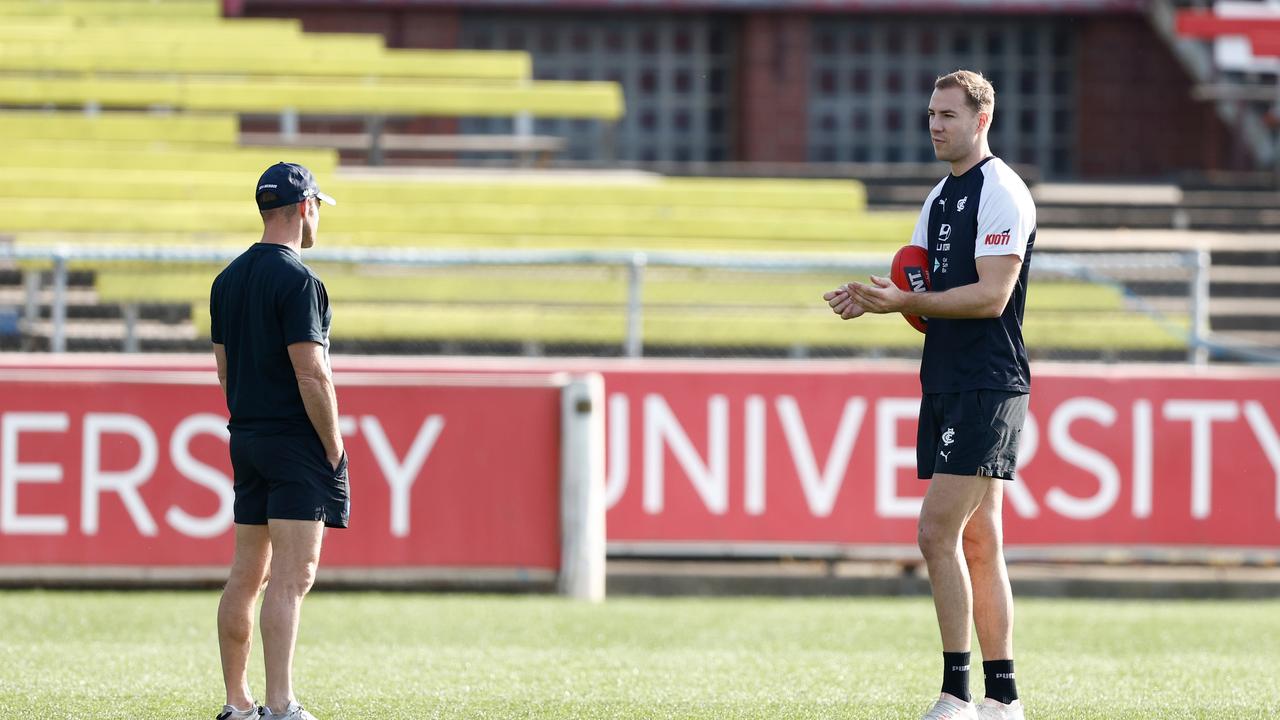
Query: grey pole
{"x": 582, "y": 486}
{"x": 1198, "y": 352}
{"x": 58, "y": 343}
{"x": 289, "y": 125}
{"x": 635, "y": 306}
{"x": 523, "y": 126}
{"x": 31, "y": 288}
{"x": 375, "y": 125}
{"x": 131, "y": 344}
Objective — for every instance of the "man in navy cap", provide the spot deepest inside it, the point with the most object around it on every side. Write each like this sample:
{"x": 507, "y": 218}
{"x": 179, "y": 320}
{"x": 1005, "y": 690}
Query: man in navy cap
{"x": 270, "y": 321}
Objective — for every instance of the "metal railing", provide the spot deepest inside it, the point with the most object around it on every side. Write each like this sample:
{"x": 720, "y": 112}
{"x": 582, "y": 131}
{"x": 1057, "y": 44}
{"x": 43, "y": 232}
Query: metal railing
{"x": 1098, "y": 268}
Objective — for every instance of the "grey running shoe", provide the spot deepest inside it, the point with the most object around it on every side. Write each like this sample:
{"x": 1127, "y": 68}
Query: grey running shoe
{"x": 230, "y": 713}
{"x": 991, "y": 709}
{"x": 950, "y": 707}
{"x": 293, "y": 712}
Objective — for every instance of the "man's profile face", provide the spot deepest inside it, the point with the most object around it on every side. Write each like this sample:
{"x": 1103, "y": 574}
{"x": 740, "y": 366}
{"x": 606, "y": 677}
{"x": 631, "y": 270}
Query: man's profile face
{"x": 953, "y": 125}
{"x": 310, "y": 222}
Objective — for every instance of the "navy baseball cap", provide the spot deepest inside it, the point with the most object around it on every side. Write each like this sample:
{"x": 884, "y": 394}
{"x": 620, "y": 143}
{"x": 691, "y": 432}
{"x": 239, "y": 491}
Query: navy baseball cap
{"x": 287, "y": 184}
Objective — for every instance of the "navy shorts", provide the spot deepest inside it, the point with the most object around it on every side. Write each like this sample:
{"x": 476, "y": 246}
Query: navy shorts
{"x": 287, "y": 477}
{"x": 972, "y": 433}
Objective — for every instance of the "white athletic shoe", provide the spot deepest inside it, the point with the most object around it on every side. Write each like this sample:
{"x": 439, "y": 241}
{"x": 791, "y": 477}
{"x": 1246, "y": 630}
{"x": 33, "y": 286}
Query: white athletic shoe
{"x": 990, "y": 709}
{"x": 293, "y": 712}
{"x": 950, "y": 707}
{"x": 230, "y": 713}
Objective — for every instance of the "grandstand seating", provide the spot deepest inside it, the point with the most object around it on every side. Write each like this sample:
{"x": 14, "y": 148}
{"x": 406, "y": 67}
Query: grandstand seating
{"x": 182, "y": 176}
{"x": 601, "y": 100}
{"x": 197, "y": 50}
{"x": 682, "y": 308}
{"x": 191, "y": 9}
{"x": 123, "y": 127}
{"x": 115, "y": 196}
{"x": 498, "y": 212}
{"x": 64, "y": 53}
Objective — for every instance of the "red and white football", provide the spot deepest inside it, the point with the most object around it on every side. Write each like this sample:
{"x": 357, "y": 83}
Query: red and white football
{"x": 910, "y": 272}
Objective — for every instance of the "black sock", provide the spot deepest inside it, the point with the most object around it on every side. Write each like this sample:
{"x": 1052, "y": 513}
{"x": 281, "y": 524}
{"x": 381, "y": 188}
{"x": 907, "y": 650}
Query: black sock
{"x": 955, "y": 674}
{"x": 1000, "y": 684}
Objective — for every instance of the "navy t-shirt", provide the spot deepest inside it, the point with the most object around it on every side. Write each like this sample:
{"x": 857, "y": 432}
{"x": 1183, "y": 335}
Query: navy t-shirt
{"x": 986, "y": 211}
{"x": 260, "y": 304}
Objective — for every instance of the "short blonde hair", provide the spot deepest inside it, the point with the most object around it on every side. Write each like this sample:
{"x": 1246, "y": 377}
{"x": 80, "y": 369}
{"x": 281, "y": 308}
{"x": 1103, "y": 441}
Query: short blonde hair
{"x": 978, "y": 92}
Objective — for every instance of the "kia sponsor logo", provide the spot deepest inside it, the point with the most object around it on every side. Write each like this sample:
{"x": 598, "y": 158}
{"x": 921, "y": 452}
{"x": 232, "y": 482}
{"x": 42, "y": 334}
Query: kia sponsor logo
{"x": 1000, "y": 238}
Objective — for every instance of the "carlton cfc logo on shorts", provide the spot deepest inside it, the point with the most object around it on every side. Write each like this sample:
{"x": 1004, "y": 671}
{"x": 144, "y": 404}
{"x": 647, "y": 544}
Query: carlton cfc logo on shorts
{"x": 1001, "y": 238}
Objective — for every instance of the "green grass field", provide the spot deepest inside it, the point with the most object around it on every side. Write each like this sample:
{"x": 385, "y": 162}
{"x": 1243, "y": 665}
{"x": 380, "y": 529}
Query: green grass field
{"x": 412, "y": 656}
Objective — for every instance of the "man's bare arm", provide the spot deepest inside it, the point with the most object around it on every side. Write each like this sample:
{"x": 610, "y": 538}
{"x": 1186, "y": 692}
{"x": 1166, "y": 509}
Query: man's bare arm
{"x": 315, "y": 384}
{"x": 986, "y": 298}
{"x": 220, "y": 355}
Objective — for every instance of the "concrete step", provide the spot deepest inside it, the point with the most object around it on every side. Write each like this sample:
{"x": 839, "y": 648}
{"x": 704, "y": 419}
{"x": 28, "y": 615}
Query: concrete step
{"x": 1134, "y": 239}
{"x": 1244, "y": 275}
{"x": 114, "y": 330}
{"x": 1268, "y": 338}
{"x": 17, "y": 296}
{"x": 1263, "y": 307}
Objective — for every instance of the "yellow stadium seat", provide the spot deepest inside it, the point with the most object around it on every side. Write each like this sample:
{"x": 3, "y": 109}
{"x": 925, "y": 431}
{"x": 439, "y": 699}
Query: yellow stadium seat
{"x": 564, "y": 220}
{"x": 90, "y": 8}
{"x": 833, "y": 195}
{"x": 115, "y": 157}
{"x": 322, "y": 56}
{"x": 601, "y": 100}
{"x": 121, "y": 126}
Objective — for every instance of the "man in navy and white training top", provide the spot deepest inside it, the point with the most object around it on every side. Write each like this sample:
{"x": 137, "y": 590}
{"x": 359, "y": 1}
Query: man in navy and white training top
{"x": 978, "y": 225}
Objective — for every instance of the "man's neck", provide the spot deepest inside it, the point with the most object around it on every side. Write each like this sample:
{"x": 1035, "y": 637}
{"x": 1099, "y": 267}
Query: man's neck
{"x": 981, "y": 152}
{"x": 289, "y": 240}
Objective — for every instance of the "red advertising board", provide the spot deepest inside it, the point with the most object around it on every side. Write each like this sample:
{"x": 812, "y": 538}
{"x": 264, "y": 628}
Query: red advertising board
{"x": 1107, "y": 458}
{"x": 711, "y": 456}
{"x": 131, "y": 468}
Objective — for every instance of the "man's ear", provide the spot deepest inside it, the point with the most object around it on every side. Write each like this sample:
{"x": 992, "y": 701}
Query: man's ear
{"x": 984, "y": 121}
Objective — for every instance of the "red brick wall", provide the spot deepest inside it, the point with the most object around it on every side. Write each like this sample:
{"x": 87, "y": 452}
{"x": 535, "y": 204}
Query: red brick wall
{"x": 1135, "y": 116}
{"x": 402, "y": 28}
{"x": 773, "y": 82}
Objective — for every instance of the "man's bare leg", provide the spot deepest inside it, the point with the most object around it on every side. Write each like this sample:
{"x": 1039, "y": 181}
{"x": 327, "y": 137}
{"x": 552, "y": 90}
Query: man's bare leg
{"x": 296, "y": 553}
{"x": 950, "y": 502}
{"x": 235, "y": 610}
{"x": 992, "y": 596}
{"x": 992, "y": 605}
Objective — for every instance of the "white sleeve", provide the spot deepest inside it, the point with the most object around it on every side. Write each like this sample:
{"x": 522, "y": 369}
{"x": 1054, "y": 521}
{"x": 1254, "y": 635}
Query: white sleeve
{"x": 1006, "y": 217}
{"x": 920, "y": 237}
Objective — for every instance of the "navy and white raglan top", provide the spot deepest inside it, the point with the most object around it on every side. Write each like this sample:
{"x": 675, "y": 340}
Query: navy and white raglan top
{"x": 986, "y": 211}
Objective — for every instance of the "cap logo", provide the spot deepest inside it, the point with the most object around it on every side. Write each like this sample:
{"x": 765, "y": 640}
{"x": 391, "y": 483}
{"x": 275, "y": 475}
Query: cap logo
{"x": 260, "y": 187}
